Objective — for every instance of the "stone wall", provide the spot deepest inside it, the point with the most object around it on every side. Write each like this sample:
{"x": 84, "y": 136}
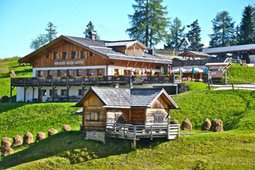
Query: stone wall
{"x": 95, "y": 135}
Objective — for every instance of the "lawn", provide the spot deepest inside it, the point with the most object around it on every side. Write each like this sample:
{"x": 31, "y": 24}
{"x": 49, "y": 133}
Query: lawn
{"x": 6, "y": 65}
{"x": 241, "y": 74}
{"x": 226, "y": 150}
{"x": 18, "y": 118}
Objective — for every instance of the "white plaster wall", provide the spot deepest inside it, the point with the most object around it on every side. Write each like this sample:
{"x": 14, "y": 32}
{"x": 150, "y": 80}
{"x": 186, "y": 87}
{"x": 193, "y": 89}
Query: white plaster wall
{"x": 29, "y": 94}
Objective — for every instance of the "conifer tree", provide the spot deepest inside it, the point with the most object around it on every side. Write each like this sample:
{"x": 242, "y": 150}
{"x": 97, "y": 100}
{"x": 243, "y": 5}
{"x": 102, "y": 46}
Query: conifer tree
{"x": 176, "y": 34}
{"x": 247, "y": 26}
{"x": 223, "y": 30}
{"x": 89, "y": 29}
{"x": 42, "y": 39}
{"x": 148, "y": 22}
{"x": 51, "y": 32}
{"x": 194, "y": 36}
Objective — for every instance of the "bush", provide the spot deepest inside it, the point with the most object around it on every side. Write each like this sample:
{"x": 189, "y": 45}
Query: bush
{"x": 5, "y": 99}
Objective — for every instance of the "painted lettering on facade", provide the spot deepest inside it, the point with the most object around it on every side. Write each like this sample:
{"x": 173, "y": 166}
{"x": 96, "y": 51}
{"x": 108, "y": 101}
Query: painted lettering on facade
{"x": 62, "y": 63}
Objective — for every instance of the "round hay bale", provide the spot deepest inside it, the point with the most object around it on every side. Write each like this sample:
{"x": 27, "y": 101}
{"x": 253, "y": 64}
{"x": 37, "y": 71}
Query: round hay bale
{"x": 28, "y": 138}
{"x": 6, "y": 142}
{"x": 206, "y": 125}
{"x": 17, "y": 140}
{"x": 186, "y": 124}
{"x": 217, "y": 125}
{"x": 66, "y": 127}
{"x": 40, "y": 136}
{"x": 52, "y": 131}
{"x": 174, "y": 121}
{"x": 7, "y": 150}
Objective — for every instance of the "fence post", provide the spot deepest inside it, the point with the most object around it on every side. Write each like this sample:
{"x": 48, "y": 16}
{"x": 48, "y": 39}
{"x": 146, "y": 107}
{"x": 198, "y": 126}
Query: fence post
{"x": 151, "y": 133}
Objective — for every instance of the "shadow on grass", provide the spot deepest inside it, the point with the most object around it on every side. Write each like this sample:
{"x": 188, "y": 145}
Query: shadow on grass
{"x": 57, "y": 144}
{"x": 4, "y": 107}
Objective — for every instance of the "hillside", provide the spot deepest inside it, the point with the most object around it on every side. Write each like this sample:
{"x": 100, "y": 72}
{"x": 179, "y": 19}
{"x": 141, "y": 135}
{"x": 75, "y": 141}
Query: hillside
{"x": 6, "y": 65}
{"x": 68, "y": 150}
{"x": 18, "y": 118}
{"x": 241, "y": 74}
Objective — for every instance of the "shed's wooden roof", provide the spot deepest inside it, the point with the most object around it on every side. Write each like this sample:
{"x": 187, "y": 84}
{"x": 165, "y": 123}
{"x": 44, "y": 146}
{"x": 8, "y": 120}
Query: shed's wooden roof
{"x": 126, "y": 98}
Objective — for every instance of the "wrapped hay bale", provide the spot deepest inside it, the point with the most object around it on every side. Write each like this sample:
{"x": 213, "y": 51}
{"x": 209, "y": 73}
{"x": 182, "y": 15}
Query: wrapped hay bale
{"x": 217, "y": 125}
{"x": 66, "y": 127}
{"x": 40, "y": 136}
{"x": 186, "y": 124}
{"x": 6, "y": 142}
{"x": 17, "y": 140}
{"x": 28, "y": 138}
{"x": 52, "y": 131}
{"x": 174, "y": 121}
{"x": 6, "y": 150}
{"x": 206, "y": 125}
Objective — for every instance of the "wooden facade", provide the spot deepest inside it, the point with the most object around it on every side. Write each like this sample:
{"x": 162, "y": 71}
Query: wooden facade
{"x": 100, "y": 116}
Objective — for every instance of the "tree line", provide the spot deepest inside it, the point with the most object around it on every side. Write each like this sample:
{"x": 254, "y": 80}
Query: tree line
{"x": 150, "y": 25}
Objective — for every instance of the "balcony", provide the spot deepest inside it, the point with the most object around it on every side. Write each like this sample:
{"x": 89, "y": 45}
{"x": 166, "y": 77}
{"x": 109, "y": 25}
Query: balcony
{"x": 100, "y": 80}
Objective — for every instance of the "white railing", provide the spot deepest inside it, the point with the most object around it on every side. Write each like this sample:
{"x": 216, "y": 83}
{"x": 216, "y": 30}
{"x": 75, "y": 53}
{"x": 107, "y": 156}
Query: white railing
{"x": 134, "y": 132}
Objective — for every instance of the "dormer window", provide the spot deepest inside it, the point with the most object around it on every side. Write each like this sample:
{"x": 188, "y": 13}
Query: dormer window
{"x": 64, "y": 55}
{"x": 55, "y": 56}
{"x": 73, "y": 55}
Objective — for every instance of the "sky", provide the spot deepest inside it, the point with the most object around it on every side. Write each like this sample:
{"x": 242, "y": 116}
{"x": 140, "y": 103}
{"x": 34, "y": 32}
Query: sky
{"x": 23, "y": 20}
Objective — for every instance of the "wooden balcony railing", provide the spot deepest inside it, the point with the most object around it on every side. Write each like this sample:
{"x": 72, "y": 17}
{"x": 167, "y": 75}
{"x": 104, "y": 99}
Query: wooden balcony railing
{"x": 101, "y": 80}
{"x": 134, "y": 132}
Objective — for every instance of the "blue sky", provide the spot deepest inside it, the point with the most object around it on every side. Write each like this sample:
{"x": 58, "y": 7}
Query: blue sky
{"x": 23, "y": 20}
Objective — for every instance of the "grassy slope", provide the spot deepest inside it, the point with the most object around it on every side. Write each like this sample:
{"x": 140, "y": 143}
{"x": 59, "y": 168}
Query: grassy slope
{"x": 241, "y": 74}
{"x": 235, "y": 108}
{"x": 5, "y": 66}
{"x": 17, "y": 118}
{"x": 227, "y": 150}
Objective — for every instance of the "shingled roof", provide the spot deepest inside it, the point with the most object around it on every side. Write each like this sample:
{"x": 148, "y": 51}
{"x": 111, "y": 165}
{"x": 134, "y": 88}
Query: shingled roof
{"x": 104, "y": 48}
{"x": 126, "y": 98}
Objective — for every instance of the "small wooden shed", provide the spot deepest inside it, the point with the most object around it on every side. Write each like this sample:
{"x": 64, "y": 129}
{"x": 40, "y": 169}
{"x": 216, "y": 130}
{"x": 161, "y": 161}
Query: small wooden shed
{"x": 126, "y": 113}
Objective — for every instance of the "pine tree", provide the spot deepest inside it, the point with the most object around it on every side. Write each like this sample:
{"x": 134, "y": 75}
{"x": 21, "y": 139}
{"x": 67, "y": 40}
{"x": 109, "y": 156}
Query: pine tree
{"x": 194, "y": 36}
{"x": 39, "y": 41}
{"x": 51, "y": 29}
{"x": 247, "y": 26}
{"x": 148, "y": 22}
{"x": 89, "y": 29}
{"x": 223, "y": 30}
{"x": 176, "y": 34}
{"x": 44, "y": 38}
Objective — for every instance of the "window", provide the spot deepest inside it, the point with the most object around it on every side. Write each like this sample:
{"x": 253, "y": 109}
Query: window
{"x": 79, "y": 72}
{"x": 47, "y": 55}
{"x": 80, "y": 92}
{"x": 73, "y": 55}
{"x": 50, "y": 73}
{"x": 94, "y": 116}
{"x": 63, "y": 92}
{"x": 100, "y": 72}
{"x": 64, "y": 55}
{"x": 55, "y": 92}
{"x": 159, "y": 118}
{"x": 39, "y": 73}
{"x": 82, "y": 54}
{"x": 55, "y": 56}
{"x": 59, "y": 73}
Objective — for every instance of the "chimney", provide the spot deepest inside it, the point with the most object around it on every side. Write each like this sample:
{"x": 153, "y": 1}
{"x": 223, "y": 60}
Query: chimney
{"x": 92, "y": 35}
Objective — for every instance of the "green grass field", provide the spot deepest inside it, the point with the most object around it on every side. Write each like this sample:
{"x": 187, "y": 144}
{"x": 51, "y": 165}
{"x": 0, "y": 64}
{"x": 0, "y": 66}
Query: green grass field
{"x": 18, "y": 118}
{"x": 232, "y": 149}
{"x": 241, "y": 74}
{"x": 6, "y": 65}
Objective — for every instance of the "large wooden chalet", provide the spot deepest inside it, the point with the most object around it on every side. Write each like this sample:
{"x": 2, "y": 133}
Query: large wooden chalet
{"x": 65, "y": 67}
{"x": 127, "y": 113}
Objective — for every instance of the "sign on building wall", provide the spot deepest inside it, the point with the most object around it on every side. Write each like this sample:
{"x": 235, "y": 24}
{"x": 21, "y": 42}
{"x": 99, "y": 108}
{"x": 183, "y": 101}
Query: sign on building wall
{"x": 62, "y": 63}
